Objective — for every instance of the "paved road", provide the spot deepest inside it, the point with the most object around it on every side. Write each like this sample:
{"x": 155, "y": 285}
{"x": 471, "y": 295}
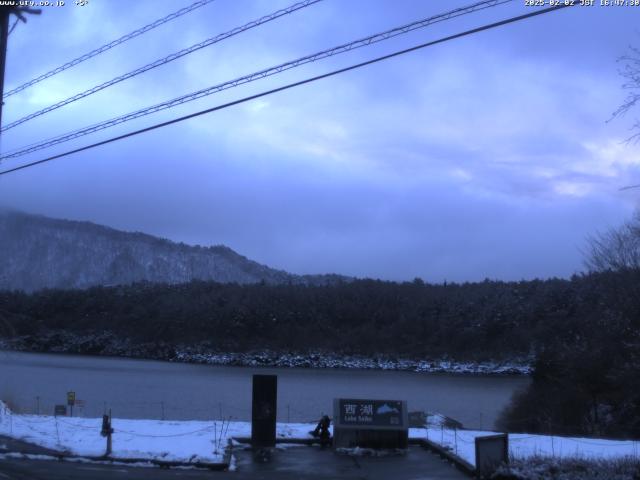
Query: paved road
{"x": 303, "y": 463}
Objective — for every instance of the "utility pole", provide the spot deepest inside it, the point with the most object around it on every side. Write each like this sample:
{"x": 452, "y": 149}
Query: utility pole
{"x": 4, "y": 34}
{"x": 5, "y": 13}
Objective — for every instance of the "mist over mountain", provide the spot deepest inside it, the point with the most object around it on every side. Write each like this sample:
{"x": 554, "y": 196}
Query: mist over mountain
{"x": 40, "y": 252}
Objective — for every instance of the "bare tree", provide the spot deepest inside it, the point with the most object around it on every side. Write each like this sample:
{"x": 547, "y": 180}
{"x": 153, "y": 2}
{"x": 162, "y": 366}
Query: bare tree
{"x": 615, "y": 249}
{"x": 619, "y": 249}
{"x": 630, "y": 71}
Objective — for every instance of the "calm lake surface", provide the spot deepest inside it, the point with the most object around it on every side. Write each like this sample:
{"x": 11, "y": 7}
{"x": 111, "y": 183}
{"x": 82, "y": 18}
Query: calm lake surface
{"x": 150, "y": 389}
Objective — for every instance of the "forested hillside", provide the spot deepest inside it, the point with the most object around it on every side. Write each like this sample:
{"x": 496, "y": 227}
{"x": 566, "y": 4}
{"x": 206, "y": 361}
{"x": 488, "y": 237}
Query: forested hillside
{"x": 40, "y": 252}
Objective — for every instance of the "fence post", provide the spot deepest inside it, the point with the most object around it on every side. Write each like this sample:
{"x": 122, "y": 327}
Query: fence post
{"x": 109, "y": 432}
{"x": 455, "y": 436}
{"x": 426, "y": 425}
{"x": 57, "y": 430}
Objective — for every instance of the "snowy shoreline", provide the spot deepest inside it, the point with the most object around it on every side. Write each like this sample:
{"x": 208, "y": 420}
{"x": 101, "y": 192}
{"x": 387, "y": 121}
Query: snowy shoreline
{"x": 331, "y": 361}
{"x": 109, "y": 346}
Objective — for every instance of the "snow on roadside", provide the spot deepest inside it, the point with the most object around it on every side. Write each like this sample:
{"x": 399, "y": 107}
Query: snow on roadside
{"x": 462, "y": 443}
{"x": 524, "y": 445}
{"x": 205, "y": 441}
{"x": 186, "y": 441}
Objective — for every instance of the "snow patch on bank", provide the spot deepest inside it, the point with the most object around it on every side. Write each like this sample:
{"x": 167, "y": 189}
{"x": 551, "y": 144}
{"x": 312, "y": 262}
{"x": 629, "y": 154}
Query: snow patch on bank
{"x": 107, "y": 344}
{"x": 522, "y": 445}
{"x": 330, "y": 360}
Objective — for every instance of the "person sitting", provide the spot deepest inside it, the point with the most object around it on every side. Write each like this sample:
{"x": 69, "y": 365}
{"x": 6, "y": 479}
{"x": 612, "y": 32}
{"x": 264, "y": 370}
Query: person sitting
{"x": 322, "y": 430}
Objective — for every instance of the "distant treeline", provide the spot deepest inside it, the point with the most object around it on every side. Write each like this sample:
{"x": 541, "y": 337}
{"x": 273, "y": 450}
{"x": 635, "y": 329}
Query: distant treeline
{"x": 473, "y": 321}
{"x": 584, "y": 333}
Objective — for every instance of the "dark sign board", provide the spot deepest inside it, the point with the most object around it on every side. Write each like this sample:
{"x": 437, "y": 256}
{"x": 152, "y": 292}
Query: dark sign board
{"x": 60, "y": 410}
{"x": 71, "y": 398}
{"x": 370, "y": 423}
{"x": 491, "y": 452}
{"x": 372, "y": 413}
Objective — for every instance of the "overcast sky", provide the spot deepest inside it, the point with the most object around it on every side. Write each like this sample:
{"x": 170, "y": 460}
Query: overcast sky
{"x": 487, "y": 156}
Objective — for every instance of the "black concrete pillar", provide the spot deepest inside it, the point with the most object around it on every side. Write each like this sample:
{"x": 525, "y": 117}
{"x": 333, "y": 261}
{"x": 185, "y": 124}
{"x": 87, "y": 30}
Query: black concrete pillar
{"x": 264, "y": 410}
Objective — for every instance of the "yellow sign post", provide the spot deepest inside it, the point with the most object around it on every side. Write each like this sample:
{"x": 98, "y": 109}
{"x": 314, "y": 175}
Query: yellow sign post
{"x": 71, "y": 400}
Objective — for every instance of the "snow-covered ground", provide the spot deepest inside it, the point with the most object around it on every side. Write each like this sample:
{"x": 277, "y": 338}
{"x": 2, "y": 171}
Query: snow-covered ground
{"x": 462, "y": 443}
{"x": 205, "y": 441}
{"x": 186, "y": 441}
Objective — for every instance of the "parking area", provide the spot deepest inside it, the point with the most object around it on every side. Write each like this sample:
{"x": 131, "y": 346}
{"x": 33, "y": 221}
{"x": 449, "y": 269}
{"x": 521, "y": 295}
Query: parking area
{"x": 316, "y": 463}
{"x": 285, "y": 462}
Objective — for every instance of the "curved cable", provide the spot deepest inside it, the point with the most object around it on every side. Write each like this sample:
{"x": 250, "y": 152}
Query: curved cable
{"x": 163, "y": 61}
{"x": 290, "y": 85}
{"x": 108, "y": 46}
{"x": 363, "y": 42}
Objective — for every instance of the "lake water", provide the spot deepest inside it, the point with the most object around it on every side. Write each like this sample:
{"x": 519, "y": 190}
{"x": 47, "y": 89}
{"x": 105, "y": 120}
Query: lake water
{"x": 150, "y": 389}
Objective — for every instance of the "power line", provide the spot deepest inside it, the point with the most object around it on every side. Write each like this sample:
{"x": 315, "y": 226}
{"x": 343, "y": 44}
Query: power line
{"x": 291, "y": 85}
{"x": 363, "y": 42}
{"x": 108, "y": 46}
{"x": 162, "y": 61}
